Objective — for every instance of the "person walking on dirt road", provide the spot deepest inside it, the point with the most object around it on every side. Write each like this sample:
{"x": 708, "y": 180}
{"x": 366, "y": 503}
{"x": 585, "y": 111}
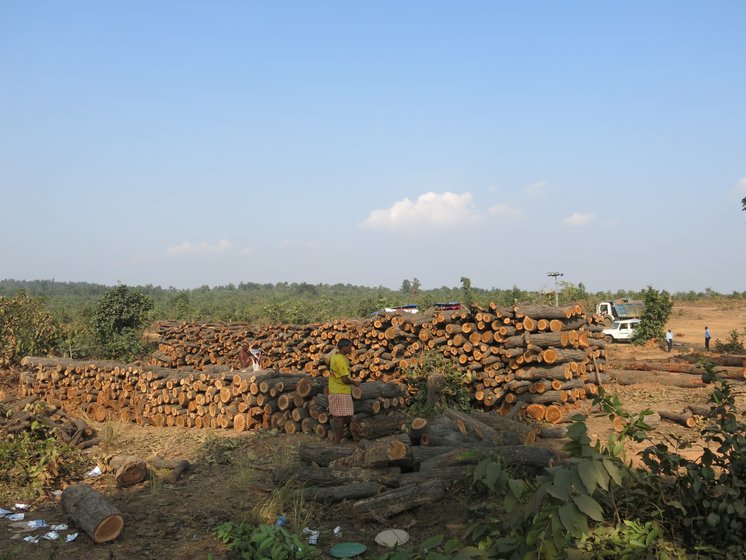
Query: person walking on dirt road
{"x": 707, "y": 338}
{"x": 669, "y": 340}
{"x": 341, "y": 407}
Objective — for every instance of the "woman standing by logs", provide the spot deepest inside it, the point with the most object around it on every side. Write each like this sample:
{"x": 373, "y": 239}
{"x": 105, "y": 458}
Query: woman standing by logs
{"x": 340, "y": 394}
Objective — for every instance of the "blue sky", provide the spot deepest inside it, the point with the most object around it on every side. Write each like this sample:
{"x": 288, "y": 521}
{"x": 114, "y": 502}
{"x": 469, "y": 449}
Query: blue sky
{"x": 206, "y": 143}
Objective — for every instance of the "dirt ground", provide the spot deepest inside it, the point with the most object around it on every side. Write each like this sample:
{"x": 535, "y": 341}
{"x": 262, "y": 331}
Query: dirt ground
{"x": 231, "y": 473}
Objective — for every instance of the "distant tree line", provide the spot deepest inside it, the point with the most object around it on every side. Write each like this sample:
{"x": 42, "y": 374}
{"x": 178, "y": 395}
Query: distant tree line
{"x": 80, "y": 319}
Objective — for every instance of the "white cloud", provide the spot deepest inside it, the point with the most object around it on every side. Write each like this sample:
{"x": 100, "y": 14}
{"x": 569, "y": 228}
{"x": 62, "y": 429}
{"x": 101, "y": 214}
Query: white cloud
{"x": 540, "y": 189}
{"x": 579, "y": 219}
{"x": 740, "y": 188}
{"x": 504, "y": 210}
{"x": 203, "y": 248}
{"x": 429, "y": 210}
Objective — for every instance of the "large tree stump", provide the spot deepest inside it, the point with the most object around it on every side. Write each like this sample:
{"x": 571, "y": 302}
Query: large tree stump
{"x": 92, "y": 512}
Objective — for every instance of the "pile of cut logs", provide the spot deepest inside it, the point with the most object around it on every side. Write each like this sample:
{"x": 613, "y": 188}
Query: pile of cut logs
{"x": 216, "y": 397}
{"x": 402, "y": 468}
{"x": 539, "y": 359}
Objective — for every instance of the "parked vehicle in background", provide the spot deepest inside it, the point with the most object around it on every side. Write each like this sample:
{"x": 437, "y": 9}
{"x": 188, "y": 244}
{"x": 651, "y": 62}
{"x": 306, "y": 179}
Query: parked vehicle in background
{"x": 622, "y": 309}
{"x": 621, "y": 331}
{"x": 408, "y": 308}
{"x": 447, "y": 306}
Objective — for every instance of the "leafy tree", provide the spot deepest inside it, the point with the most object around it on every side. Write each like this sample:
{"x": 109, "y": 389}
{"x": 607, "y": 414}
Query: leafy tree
{"x": 406, "y": 286}
{"x": 119, "y": 320}
{"x": 466, "y": 291}
{"x": 415, "y": 287}
{"x": 26, "y": 328}
{"x": 654, "y": 317}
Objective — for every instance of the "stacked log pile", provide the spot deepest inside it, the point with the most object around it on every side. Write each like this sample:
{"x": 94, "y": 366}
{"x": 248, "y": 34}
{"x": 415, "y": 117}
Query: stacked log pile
{"x": 401, "y": 470}
{"x": 215, "y": 397}
{"x": 536, "y": 359}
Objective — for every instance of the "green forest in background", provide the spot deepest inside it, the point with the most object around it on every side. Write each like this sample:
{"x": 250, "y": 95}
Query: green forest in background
{"x": 302, "y": 303}
{"x": 83, "y": 320}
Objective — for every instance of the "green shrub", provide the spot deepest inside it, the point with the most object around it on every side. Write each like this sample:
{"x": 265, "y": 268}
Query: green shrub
{"x": 119, "y": 320}
{"x": 733, "y": 346}
{"x": 264, "y": 542}
{"x": 32, "y": 461}
{"x": 25, "y": 329}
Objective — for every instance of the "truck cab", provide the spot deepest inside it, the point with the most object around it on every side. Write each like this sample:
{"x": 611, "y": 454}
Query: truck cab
{"x": 617, "y": 310}
{"x": 621, "y": 330}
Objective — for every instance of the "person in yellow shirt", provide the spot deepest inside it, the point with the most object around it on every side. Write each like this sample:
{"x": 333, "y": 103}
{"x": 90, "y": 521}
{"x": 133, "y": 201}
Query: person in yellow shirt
{"x": 341, "y": 408}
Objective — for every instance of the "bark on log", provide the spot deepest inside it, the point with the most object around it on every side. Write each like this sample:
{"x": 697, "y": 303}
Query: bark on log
{"x": 397, "y": 500}
{"x": 681, "y": 418}
{"x": 325, "y": 476}
{"x": 526, "y": 434}
{"x": 92, "y": 512}
{"x": 334, "y": 494}
{"x": 441, "y": 430}
{"x": 700, "y": 409}
{"x": 673, "y": 379}
{"x": 373, "y": 389}
{"x": 446, "y": 475}
{"x": 177, "y": 467}
{"x": 128, "y": 470}
{"x": 376, "y": 426}
{"x": 472, "y": 425}
{"x": 529, "y": 459}
{"x": 322, "y": 455}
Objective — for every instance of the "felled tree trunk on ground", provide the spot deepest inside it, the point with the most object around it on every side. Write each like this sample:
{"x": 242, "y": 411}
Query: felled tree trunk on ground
{"x": 673, "y": 379}
{"x": 175, "y": 467}
{"x": 321, "y": 454}
{"x": 377, "y": 426}
{"x": 441, "y": 430}
{"x": 397, "y": 500}
{"x": 325, "y": 476}
{"x": 681, "y": 418}
{"x": 92, "y": 512}
{"x": 334, "y": 494}
{"x": 128, "y": 470}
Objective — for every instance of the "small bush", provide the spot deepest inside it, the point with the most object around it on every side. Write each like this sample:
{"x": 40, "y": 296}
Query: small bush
{"x": 733, "y": 346}
{"x": 264, "y": 542}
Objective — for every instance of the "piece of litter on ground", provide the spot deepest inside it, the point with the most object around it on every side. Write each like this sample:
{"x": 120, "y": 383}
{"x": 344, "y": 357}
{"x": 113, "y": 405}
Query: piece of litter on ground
{"x": 51, "y": 536}
{"x": 95, "y": 471}
{"x": 31, "y": 539}
{"x": 4, "y": 512}
{"x": 71, "y": 537}
{"x": 20, "y": 527}
{"x": 22, "y": 507}
{"x": 60, "y": 527}
{"x": 15, "y": 516}
{"x": 337, "y": 531}
{"x": 37, "y": 524}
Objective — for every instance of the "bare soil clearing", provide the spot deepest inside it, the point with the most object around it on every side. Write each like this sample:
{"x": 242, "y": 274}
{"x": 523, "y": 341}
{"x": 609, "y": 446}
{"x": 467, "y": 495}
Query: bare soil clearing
{"x": 232, "y": 472}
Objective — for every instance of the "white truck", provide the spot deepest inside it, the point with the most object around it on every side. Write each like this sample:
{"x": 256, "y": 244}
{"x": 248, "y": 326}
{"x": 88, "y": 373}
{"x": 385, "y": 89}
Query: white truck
{"x": 622, "y": 330}
{"x": 621, "y": 309}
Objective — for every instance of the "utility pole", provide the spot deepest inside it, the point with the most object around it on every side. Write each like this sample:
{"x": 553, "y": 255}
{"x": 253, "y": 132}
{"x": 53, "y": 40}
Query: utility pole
{"x": 556, "y": 293}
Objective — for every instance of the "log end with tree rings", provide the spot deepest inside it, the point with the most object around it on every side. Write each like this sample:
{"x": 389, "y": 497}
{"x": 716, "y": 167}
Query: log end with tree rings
{"x": 92, "y": 512}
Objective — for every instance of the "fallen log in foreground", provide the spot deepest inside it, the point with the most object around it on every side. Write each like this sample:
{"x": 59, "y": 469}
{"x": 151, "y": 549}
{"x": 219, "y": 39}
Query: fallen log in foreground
{"x": 92, "y": 512}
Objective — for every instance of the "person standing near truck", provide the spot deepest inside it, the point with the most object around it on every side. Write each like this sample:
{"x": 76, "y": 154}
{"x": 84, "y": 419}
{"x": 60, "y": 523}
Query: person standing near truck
{"x": 707, "y": 338}
{"x": 341, "y": 407}
{"x": 669, "y": 340}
